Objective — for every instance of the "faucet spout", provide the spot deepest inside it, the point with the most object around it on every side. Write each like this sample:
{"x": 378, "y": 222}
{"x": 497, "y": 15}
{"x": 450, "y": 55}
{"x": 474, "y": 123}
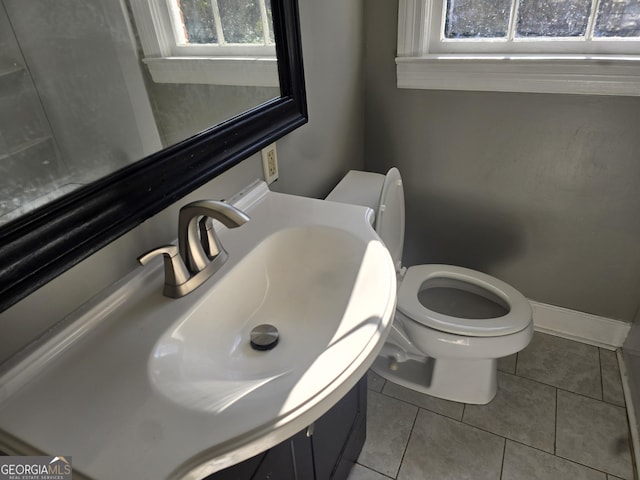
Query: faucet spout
{"x": 197, "y": 241}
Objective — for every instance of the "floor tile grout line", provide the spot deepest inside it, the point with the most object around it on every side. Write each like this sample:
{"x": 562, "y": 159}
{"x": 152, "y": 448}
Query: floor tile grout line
{"x": 619, "y": 378}
{"x": 564, "y": 389}
{"x": 587, "y": 466}
{"x": 462, "y": 422}
{"x": 558, "y": 456}
{"x": 555, "y": 426}
{"x": 504, "y": 453}
{"x": 384, "y": 382}
{"x": 425, "y": 408}
{"x": 404, "y": 452}
{"x": 590, "y": 398}
{"x": 601, "y": 373}
{"x": 498, "y": 435}
{"x": 374, "y": 470}
{"x": 413, "y": 424}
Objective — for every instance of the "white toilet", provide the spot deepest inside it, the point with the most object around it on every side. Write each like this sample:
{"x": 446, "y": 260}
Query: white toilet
{"x": 451, "y": 323}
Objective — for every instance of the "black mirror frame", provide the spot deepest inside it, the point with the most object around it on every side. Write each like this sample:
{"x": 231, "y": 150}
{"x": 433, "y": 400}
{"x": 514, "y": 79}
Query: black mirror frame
{"x": 41, "y": 245}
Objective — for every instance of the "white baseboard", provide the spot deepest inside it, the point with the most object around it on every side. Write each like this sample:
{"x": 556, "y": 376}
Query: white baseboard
{"x": 582, "y": 327}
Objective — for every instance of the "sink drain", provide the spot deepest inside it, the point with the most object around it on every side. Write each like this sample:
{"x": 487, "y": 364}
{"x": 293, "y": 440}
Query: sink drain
{"x": 264, "y": 337}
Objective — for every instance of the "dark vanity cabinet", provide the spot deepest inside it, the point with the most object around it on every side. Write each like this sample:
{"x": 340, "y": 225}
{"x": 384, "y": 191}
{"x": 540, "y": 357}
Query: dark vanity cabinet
{"x": 325, "y": 451}
{"x": 339, "y": 435}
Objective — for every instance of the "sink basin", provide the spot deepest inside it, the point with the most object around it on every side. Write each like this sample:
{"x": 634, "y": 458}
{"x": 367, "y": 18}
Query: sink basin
{"x": 311, "y": 283}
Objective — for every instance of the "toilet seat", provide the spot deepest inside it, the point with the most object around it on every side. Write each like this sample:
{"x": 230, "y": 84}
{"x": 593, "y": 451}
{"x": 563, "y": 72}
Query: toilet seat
{"x": 519, "y": 311}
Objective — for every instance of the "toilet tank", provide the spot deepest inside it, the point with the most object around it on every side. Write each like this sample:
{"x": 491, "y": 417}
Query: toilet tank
{"x": 385, "y": 196}
{"x": 358, "y": 188}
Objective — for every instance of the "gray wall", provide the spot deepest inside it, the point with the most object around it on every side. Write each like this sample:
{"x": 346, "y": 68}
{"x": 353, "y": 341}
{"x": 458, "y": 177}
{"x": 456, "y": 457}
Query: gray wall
{"x": 542, "y": 191}
{"x": 311, "y": 159}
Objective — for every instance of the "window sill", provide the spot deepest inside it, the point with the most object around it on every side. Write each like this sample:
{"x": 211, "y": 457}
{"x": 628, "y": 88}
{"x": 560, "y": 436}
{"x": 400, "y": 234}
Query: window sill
{"x": 589, "y": 75}
{"x": 240, "y": 71}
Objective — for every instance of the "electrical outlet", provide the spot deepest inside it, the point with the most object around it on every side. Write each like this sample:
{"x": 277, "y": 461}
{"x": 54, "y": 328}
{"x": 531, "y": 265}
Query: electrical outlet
{"x": 270, "y": 163}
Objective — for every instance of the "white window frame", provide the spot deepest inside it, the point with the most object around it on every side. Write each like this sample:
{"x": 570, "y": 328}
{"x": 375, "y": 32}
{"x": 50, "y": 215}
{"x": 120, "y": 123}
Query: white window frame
{"x": 225, "y": 64}
{"x": 425, "y": 60}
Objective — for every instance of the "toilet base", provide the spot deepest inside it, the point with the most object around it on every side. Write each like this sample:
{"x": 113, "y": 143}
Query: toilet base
{"x": 465, "y": 380}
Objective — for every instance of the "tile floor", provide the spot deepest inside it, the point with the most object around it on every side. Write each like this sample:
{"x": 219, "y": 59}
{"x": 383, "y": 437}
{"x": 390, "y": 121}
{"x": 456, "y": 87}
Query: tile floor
{"x": 559, "y": 414}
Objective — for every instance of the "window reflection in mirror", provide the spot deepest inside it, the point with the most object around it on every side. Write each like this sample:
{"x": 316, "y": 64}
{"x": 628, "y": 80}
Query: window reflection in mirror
{"x": 85, "y": 92}
{"x": 220, "y": 22}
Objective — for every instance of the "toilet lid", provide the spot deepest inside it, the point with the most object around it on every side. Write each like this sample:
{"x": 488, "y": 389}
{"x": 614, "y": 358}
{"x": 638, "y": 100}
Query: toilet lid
{"x": 417, "y": 278}
{"x": 390, "y": 215}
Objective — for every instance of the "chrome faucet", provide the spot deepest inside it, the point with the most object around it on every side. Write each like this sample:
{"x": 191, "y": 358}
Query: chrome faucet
{"x": 199, "y": 253}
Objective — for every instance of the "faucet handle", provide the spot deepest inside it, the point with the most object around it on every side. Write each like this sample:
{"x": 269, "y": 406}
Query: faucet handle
{"x": 175, "y": 271}
{"x": 209, "y": 239}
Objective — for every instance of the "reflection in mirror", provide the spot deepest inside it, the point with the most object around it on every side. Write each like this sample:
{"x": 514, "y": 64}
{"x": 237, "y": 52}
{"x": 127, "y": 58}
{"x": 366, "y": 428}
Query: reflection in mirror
{"x": 88, "y": 87}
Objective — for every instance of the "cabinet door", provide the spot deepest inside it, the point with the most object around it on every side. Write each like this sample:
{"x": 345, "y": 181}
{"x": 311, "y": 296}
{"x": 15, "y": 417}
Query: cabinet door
{"x": 339, "y": 435}
{"x": 289, "y": 460}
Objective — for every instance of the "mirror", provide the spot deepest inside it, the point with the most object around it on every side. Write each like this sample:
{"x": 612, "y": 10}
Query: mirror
{"x": 116, "y": 128}
{"x": 87, "y": 88}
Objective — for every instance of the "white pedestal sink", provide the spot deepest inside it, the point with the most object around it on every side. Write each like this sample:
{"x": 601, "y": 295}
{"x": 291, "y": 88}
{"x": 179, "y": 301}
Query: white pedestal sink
{"x": 171, "y": 388}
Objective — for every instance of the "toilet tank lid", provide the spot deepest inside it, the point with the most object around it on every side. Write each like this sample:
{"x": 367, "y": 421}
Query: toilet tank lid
{"x": 358, "y": 188}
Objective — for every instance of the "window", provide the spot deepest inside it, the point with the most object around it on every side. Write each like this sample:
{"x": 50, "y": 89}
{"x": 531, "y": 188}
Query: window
{"x": 227, "y": 42}
{"x": 554, "y": 46}
{"x": 221, "y": 27}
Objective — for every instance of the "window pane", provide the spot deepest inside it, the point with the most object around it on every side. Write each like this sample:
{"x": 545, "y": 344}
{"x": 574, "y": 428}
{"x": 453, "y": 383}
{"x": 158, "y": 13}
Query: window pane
{"x": 553, "y": 18}
{"x": 618, "y": 18}
{"x": 477, "y": 18}
{"x": 241, "y": 20}
{"x": 198, "y": 21}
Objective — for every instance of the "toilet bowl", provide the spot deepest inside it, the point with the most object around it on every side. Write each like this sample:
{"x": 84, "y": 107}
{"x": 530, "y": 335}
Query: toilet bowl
{"x": 451, "y": 323}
